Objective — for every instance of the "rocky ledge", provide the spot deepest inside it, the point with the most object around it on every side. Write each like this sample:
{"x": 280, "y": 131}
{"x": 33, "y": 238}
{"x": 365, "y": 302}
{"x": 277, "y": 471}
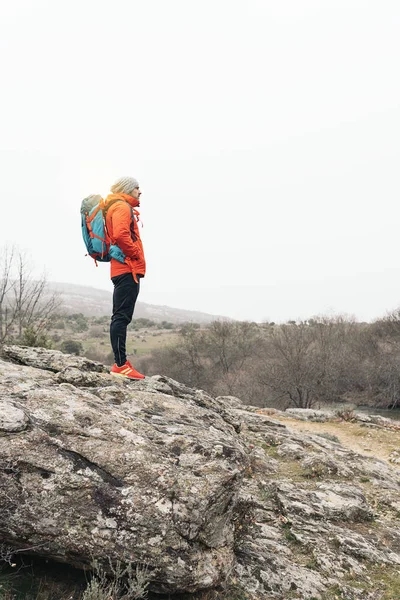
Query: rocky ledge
{"x": 205, "y": 492}
{"x": 323, "y": 416}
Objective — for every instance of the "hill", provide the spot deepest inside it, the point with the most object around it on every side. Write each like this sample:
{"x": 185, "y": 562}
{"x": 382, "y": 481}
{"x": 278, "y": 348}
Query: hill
{"x": 95, "y": 302}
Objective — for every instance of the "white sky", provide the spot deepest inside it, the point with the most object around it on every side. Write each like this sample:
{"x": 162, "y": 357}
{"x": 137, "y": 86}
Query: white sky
{"x": 264, "y": 133}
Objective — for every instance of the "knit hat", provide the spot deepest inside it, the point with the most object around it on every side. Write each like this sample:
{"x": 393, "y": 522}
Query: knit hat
{"x": 124, "y": 185}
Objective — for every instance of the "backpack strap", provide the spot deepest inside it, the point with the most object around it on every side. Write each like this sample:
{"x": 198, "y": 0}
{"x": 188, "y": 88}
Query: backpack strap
{"x": 105, "y": 210}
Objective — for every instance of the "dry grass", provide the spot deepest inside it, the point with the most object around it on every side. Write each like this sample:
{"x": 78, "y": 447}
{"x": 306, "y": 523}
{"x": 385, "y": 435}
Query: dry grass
{"x": 370, "y": 441}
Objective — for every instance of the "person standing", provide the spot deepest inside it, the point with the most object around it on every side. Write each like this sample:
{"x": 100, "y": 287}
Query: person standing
{"x": 121, "y": 220}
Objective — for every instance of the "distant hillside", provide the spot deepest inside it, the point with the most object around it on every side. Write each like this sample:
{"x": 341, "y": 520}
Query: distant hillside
{"x": 95, "y": 302}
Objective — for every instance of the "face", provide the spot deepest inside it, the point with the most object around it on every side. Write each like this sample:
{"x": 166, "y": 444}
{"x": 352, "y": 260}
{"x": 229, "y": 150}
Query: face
{"x": 136, "y": 193}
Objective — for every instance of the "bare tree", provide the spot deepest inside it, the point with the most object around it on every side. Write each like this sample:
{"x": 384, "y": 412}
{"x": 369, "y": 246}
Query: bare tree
{"x": 387, "y": 329}
{"x": 7, "y": 255}
{"x": 229, "y": 347}
{"x": 26, "y": 304}
{"x": 311, "y": 361}
{"x": 290, "y": 371}
{"x": 216, "y": 359}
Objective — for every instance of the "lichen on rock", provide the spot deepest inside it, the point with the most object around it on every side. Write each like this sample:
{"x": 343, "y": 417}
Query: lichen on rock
{"x": 205, "y": 491}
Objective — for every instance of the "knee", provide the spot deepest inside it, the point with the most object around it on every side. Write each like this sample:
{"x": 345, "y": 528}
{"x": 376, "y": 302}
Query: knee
{"x": 120, "y": 319}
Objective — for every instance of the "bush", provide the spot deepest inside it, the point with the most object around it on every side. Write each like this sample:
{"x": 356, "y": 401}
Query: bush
{"x": 79, "y": 322}
{"x": 167, "y": 325}
{"x": 99, "y": 354}
{"x": 72, "y": 347}
{"x": 141, "y": 323}
{"x": 36, "y": 338}
{"x": 346, "y": 414}
{"x": 96, "y": 331}
{"x": 126, "y": 583}
{"x": 329, "y": 436}
{"x": 101, "y": 320}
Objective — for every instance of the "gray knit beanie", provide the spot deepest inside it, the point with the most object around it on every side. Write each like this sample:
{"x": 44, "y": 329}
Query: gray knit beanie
{"x": 124, "y": 185}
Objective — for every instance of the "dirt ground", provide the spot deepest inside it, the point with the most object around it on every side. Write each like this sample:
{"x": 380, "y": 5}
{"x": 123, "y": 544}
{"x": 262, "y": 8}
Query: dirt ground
{"x": 365, "y": 440}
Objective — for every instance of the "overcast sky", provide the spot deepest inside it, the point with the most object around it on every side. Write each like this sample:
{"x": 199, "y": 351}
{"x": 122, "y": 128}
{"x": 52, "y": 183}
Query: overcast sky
{"x": 264, "y": 133}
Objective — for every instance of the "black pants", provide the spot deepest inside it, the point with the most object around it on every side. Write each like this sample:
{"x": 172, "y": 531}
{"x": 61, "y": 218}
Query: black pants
{"x": 126, "y": 291}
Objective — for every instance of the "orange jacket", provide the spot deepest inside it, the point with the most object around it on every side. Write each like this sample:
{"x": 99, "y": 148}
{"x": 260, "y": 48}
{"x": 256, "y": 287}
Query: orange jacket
{"x": 122, "y": 227}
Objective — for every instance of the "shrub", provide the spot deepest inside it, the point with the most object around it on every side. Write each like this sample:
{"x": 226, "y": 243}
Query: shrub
{"x": 96, "y": 331}
{"x": 79, "y": 322}
{"x": 166, "y": 325}
{"x": 346, "y": 414}
{"x": 72, "y": 347}
{"x": 36, "y": 338}
{"x": 141, "y": 323}
{"x": 329, "y": 436}
{"x": 126, "y": 583}
{"x": 98, "y": 354}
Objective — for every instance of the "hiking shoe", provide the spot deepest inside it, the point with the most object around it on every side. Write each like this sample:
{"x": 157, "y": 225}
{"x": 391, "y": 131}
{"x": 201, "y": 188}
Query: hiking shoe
{"x": 126, "y": 371}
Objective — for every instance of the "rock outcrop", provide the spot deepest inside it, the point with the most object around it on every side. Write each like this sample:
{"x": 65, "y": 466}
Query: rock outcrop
{"x": 205, "y": 492}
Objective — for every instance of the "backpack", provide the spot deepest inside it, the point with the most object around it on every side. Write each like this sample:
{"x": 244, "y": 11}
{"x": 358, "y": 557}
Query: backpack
{"x": 94, "y": 230}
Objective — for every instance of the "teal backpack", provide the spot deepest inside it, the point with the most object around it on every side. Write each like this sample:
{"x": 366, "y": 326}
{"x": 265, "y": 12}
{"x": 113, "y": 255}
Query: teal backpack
{"x": 94, "y": 230}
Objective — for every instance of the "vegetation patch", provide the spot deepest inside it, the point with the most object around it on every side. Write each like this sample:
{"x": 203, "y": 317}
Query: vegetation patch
{"x": 382, "y": 579}
{"x": 329, "y": 436}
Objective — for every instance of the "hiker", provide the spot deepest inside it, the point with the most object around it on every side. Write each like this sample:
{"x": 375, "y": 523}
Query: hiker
{"x": 121, "y": 218}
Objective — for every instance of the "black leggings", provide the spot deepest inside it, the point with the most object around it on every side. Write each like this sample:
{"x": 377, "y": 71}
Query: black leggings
{"x": 126, "y": 291}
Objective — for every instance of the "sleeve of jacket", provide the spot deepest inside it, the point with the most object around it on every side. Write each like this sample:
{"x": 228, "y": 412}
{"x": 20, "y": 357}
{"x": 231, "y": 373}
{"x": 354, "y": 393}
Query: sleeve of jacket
{"x": 121, "y": 226}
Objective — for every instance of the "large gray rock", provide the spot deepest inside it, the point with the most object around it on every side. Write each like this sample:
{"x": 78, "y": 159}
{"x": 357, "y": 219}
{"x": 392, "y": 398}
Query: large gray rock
{"x": 310, "y": 414}
{"x": 117, "y": 472}
{"x": 52, "y": 360}
{"x": 204, "y": 491}
{"x": 12, "y": 418}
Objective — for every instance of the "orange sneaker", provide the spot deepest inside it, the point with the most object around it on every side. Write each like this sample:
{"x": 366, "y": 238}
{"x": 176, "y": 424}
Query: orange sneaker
{"x": 126, "y": 371}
